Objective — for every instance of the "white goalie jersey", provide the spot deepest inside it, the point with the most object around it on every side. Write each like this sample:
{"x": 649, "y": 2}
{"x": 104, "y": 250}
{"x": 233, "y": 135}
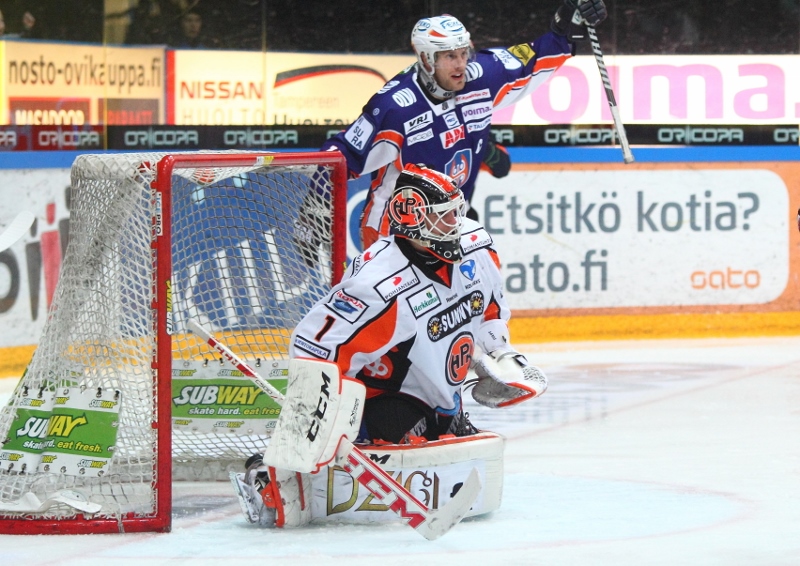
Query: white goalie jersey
{"x": 402, "y": 326}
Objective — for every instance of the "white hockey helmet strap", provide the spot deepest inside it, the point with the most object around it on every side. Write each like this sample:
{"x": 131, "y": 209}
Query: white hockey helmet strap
{"x": 429, "y": 37}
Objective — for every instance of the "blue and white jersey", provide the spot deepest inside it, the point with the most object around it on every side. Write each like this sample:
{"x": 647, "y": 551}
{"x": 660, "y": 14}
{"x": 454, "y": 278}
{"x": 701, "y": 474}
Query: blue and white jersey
{"x": 401, "y": 125}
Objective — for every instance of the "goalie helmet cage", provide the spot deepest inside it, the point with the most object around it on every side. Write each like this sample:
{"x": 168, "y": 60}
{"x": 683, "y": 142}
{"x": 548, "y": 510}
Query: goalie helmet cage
{"x": 156, "y": 240}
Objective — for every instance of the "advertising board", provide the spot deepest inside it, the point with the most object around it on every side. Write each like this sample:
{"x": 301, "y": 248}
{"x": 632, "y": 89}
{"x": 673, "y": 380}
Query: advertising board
{"x": 253, "y": 88}
{"x": 50, "y": 84}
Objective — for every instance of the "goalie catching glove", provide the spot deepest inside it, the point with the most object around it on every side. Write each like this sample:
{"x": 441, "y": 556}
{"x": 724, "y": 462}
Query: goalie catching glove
{"x": 506, "y": 378}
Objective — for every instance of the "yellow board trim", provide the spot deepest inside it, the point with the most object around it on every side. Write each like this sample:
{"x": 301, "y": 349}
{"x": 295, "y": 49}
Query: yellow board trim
{"x": 622, "y": 327}
{"x": 13, "y": 361}
{"x": 531, "y": 330}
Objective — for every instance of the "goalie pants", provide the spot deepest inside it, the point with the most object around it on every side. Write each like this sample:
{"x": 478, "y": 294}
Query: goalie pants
{"x": 390, "y": 417}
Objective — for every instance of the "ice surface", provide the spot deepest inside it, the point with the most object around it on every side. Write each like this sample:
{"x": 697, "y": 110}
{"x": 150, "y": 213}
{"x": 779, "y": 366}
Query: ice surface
{"x": 640, "y": 453}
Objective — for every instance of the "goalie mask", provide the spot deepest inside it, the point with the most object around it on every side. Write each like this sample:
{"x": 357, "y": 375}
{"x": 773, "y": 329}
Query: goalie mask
{"x": 431, "y": 36}
{"x": 428, "y": 207}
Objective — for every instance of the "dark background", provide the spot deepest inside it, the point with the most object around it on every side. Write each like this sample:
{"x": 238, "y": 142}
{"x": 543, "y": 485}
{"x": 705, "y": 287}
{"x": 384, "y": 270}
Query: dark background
{"x": 384, "y": 26}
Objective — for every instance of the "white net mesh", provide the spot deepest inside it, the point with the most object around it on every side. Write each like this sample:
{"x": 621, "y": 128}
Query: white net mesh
{"x": 237, "y": 269}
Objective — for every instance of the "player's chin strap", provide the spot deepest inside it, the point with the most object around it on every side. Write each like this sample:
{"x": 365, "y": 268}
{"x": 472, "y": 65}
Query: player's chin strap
{"x": 428, "y": 82}
{"x": 504, "y": 375}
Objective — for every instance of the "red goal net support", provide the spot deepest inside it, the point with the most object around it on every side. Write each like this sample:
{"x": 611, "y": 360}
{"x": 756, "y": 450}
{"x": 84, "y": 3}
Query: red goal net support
{"x": 120, "y": 399}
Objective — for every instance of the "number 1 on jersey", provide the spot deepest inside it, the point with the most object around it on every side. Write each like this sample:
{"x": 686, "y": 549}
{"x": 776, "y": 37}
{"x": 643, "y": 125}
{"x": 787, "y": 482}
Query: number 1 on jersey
{"x": 329, "y": 320}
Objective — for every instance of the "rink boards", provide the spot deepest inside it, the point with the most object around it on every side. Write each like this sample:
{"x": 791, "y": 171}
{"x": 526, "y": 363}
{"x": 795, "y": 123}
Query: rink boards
{"x": 686, "y": 241}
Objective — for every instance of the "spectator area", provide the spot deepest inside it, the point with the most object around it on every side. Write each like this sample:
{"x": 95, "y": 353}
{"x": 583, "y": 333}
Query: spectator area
{"x": 634, "y": 26}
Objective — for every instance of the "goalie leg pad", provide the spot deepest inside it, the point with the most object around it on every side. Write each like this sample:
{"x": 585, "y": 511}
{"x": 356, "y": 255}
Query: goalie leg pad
{"x": 321, "y": 408}
{"x": 291, "y": 494}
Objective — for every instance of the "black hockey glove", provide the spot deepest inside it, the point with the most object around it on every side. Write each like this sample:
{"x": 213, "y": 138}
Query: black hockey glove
{"x": 571, "y": 17}
{"x": 593, "y": 12}
{"x": 497, "y": 160}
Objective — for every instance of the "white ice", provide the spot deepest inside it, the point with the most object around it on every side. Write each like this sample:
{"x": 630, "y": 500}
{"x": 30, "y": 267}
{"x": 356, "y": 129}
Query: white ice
{"x": 640, "y": 453}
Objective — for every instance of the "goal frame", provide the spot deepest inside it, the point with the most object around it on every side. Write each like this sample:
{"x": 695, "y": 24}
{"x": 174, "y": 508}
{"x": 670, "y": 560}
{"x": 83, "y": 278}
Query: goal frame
{"x": 160, "y": 370}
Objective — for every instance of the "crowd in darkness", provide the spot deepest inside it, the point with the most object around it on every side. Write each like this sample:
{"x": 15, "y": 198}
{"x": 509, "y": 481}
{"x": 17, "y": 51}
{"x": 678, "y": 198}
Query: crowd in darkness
{"x": 383, "y": 26}
{"x": 68, "y": 20}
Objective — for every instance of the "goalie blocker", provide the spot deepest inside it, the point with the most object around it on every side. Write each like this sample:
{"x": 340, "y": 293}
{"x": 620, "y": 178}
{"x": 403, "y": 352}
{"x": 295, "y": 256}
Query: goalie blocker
{"x": 296, "y": 482}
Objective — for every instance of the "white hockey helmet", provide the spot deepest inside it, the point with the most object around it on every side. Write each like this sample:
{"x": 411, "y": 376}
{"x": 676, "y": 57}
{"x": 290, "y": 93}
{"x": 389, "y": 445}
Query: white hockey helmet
{"x": 432, "y": 35}
{"x": 428, "y": 207}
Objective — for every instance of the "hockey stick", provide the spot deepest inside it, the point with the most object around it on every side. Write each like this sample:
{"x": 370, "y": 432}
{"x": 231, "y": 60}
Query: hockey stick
{"x": 16, "y": 229}
{"x": 627, "y": 156}
{"x": 429, "y": 523}
{"x": 237, "y": 362}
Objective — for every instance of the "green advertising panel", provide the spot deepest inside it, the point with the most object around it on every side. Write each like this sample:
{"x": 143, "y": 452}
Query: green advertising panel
{"x": 22, "y": 449}
{"x": 214, "y": 397}
{"x": 82, "y": 431}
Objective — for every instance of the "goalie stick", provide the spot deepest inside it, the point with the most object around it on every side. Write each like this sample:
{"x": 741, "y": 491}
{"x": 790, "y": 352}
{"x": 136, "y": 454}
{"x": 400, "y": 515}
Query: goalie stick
{"x": 16, "y": 229}
{"x": 430, "y": 523}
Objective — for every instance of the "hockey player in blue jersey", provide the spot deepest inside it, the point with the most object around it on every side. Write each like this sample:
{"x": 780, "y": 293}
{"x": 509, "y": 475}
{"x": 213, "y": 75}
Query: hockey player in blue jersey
{"x": 439, "y": 110}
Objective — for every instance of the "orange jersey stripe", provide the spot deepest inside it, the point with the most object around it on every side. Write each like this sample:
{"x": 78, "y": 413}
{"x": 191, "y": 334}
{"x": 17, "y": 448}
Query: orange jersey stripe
{"x": 519, "y": 83}
{"x": 390, "y": 136}
{"x": 369, "y": 338}
{"x": 552, "y": 63}
{"x": 495, "y": 258}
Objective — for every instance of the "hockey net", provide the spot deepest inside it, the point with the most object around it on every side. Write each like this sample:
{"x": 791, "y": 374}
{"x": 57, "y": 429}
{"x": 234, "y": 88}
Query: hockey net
{"x": 119, "y": 397}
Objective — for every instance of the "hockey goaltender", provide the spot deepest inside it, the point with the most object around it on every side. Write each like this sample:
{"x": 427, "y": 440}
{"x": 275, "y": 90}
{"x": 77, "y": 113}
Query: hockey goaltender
{"x": 395, "y": 341}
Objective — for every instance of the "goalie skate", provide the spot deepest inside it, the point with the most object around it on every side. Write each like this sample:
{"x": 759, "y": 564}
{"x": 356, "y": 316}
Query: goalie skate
{"x": 271, "y": 497}
{"x": 251, "y": 503}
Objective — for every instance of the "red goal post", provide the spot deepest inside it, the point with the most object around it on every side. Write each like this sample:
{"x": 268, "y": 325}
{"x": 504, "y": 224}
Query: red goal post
{"x": 119, "y": 398}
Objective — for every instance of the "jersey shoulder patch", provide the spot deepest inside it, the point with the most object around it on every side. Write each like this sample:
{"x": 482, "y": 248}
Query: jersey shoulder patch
{"x": 404, "y": 97}
{"x": 508, "y": 60}
{"x": 347, "y": 306}
{"x": 368, "y": 255}
{"x": 383, "y": 273}
{"x": 474, "y": 237}
{"x": 397, "y": 283}
{"x": 474, "y": 71}
{"x": 397, "y": 94}
{"x": 523, "y": 51}
{"x": 360, "y": 133}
